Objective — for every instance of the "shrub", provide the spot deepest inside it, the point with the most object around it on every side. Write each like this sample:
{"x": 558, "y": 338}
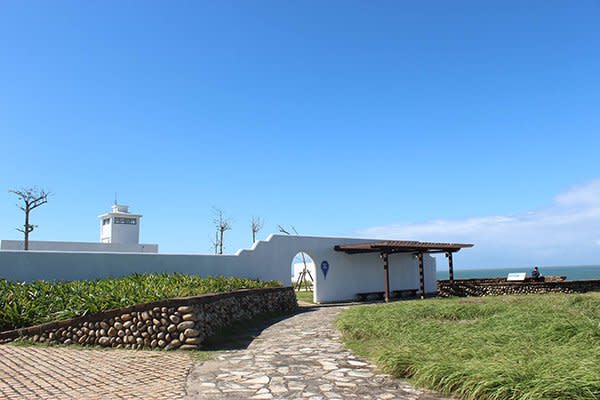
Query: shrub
{"x": 26, "y": 304}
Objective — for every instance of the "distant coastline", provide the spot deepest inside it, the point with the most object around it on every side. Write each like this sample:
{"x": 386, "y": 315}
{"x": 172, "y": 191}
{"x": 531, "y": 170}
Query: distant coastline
{"x": 572, "y": 272}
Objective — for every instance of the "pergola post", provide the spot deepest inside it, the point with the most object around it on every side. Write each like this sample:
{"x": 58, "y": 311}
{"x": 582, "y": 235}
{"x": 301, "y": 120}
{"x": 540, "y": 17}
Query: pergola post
{"x": 450, "y": 266}
{"x": 421, "y": 275}
{"x": 386, "y": 277}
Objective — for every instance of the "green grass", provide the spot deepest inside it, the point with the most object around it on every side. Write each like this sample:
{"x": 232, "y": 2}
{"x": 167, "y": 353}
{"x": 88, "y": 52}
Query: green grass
{"x": 510, "y": 347}
{"x": 305, "y": 296}
{"x": 25, "y": 304}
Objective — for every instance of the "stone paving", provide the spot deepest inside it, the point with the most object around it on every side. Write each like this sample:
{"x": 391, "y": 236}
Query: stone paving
{"x": 37, "y": 372}
{"x": 298, "y": 358}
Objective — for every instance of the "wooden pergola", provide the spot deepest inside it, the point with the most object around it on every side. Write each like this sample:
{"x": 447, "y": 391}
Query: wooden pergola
{"x": 385, "y": 248}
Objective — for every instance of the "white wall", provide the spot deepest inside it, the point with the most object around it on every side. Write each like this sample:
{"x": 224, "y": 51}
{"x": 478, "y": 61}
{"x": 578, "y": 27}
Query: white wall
{"x": 79, "y": 246}
{"x": 270, "y": 259}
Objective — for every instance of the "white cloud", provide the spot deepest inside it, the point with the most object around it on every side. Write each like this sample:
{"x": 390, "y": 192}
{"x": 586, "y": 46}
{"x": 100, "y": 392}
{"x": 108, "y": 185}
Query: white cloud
{"x": 563, "y": 233}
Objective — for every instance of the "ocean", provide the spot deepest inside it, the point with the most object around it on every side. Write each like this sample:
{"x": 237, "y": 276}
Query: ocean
{"x": 573, "y": 273}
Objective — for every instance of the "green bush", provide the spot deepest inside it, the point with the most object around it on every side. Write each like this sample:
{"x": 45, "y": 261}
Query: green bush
{"x": 510, "y": 347}
{"x": 26, "y": 304}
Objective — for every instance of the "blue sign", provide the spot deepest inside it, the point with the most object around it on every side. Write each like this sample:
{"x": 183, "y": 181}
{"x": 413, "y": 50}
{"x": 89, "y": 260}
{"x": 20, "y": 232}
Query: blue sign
{"x": 325, "y": 268}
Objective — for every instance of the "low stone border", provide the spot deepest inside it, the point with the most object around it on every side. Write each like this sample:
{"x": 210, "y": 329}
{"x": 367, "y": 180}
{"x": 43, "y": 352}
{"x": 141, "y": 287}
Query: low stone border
{"x": 500, "y": 287}
{"x": 180, "y": 323}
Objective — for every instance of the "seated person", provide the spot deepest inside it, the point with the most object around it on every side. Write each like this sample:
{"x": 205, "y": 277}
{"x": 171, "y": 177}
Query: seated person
{"x": 535, "y": 275}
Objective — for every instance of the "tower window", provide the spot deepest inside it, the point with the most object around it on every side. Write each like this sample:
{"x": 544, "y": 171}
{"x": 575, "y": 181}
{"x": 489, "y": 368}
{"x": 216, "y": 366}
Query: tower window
{"x": 126, "y": 221}
{"x": 106, "y": 221}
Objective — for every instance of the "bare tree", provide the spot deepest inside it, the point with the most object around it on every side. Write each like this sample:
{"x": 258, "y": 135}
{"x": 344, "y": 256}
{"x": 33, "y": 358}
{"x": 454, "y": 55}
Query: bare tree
{"x": 29, "y": 199}
{"x": 214, "y": 243}
{"x": 222, "y": 224}
{"x": 256, "y": 224}
{"x": 283, "y": 230}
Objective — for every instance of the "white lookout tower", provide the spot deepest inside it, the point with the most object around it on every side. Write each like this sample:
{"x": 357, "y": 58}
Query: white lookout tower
{"x": 120, "y": 226}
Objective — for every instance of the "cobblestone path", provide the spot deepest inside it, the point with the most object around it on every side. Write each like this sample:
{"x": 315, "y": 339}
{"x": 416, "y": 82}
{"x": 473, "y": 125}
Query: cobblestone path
{"x": 298, "y": 358}
{"x": 36, "y": 372}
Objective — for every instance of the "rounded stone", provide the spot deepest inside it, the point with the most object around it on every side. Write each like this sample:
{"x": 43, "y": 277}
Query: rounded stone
{"x": 189, "y": 347}
{"x": 185, "y": 325}
{"x": 191, "y": 332}
{"x": 68, "y": 341}
{"x": 173, "y": 345}
{"x": 185, "y": 309}
{"x": 174, "y": 319}
{"x": 193, "y": 340}
{"x": 172, "y": 328}
{"x": 104, "y": 341}
{"x": 118, "y": 325}
{"x": 145, "y": 316}
{"x": 112, "y": 331}
{"x": 154, "y": 343}
{"x": 127, "y": 324}
{"x": 139, "y": 340}
{"x": 104, "y": 325}
{"x": 161, "y": 343}
{"x": 126, "y": 317}
{"x": 156, "y": 322}
{"x": 189, "y": 317}
{"x": 160, "y": 335}
{"x": 121, "y": 333}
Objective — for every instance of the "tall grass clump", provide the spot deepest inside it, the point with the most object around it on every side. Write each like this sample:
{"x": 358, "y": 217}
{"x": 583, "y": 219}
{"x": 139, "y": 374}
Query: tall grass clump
{"x": 498, "y": 348}
{"x": 25, "y": 304}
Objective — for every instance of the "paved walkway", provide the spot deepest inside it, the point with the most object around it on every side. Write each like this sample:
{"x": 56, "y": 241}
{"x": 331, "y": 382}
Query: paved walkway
{"x": 298, "y": 358}
{"x": 37, "y": 372}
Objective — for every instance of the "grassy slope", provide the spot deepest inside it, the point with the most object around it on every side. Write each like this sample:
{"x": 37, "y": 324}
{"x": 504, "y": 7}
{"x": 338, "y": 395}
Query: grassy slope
{"x": 28, "y": 304}
{"x": 305, "y": 296}
{"x": 521, "y": 347}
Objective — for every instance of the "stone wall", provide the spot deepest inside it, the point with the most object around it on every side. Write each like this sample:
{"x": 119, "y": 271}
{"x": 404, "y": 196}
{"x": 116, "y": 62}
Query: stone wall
{"x": 181, "y": 323}
{"x": 500, "y": 287}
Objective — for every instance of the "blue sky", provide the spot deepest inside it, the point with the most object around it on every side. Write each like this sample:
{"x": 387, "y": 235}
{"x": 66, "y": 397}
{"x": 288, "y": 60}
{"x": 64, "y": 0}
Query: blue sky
{"x": 409, "y": 120}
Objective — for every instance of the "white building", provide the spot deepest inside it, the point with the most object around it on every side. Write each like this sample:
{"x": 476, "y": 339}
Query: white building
{"x": 120, "y": 226}
{"x": 343, "y": 267}
{"x": 119, "y": 232}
